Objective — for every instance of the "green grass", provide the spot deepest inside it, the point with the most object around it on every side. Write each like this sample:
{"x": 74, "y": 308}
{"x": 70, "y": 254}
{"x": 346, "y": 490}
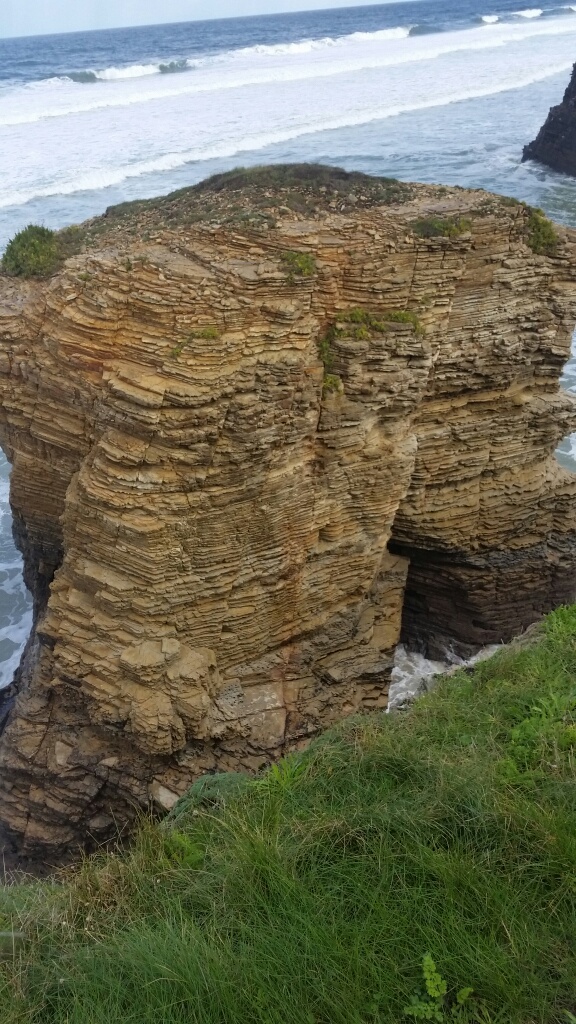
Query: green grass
{"x": 332, "y": 385}
{"x": 33, "y": 252}
{"x": 441, "y": 227}
{"x": 298, "y": 264}
{"x": 313, "y": 894}
{"x": 204, "y": 334}
{"x": 364, "y": 321}
{"x": 542, "y": 237}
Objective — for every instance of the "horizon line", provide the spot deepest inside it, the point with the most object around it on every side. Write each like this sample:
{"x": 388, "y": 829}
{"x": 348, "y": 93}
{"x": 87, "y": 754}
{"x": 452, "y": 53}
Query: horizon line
{"x": 200, "y": 21}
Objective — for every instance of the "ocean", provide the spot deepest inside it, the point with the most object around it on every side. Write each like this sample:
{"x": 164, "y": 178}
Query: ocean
{"x": 426, "y": 90}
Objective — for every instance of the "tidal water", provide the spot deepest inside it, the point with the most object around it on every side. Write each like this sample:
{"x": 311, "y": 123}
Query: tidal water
{"x": 429, "y": 90}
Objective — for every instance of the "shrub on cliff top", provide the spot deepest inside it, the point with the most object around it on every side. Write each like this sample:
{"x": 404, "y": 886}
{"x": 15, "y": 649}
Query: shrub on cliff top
{"x": 33, "y": 252}
{"x": 312, "y": 894}
{"x": 542, "y": 237}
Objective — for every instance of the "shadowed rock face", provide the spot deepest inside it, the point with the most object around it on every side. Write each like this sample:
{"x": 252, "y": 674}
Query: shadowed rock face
{"x": 555, "y": 144}
{"x": 224, "y": 536}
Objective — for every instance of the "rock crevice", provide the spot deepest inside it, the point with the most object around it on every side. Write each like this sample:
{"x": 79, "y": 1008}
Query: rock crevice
{"x": 236, "y": 483}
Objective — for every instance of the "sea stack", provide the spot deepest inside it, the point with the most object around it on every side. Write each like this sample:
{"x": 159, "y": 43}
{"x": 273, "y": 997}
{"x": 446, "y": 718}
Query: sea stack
{"x": 259, "y": 431}
{"x": 555, "y": 144}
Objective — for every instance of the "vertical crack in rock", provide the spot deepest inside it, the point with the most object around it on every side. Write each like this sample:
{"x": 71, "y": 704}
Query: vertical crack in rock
{"x": 232, "y": 470}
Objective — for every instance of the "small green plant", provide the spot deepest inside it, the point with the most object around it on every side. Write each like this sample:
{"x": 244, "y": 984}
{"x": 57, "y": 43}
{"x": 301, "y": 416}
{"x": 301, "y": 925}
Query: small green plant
{"x": 205, "y": 333}
{"x": 431, "y": 1003}
{"x": 546, "y": 734}
{"x": 281, "y": 777}
{"x": 367, "y": 322}
{"x": 179, "y": 849}
{"x": 325, "y": 349}
{"x": 33, "y": 252}
{"x": 128, "y": 265}
{"x": 298, "y": 264}
{"x": 404, "y": 316}
{"x": 542, "y": 237}
{"x": 441, "y": 227}
{"x": 332, "y": 384}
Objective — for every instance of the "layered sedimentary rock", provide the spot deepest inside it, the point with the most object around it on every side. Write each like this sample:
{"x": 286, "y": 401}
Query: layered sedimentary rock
{"x": 252, "y": 444}
{"x": 555, "y": 144}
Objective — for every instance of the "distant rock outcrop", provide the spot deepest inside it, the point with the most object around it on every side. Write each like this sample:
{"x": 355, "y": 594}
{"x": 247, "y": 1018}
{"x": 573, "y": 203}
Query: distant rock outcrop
{"x": 259, "y": 430}
{"x": 555, "y": 144}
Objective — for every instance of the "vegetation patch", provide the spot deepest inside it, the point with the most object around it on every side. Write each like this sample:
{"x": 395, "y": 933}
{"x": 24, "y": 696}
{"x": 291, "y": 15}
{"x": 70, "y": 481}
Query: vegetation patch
{"x": 365, "y": 322}
{"x": 298, "y": 264}
{"x": 308, "y": 179}
{"x": 33, "y": 252}
{"x": 441, "y": 227}
{"x": 332, "y": 384}
{"x": 542, "y": 237}
{"x": 204, "y": 334}
{"x": 251, "y": 198}
{"x": 325, "y": 348}
{"x": 419, "y": 865}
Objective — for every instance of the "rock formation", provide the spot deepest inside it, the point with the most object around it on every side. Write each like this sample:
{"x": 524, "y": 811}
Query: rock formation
{"x": 258, "y": 429}
{"x": 555, "y": 144}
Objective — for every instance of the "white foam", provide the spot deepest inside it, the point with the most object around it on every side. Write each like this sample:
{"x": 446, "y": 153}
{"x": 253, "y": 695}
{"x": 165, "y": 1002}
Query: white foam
{"x": 310, "y": 123}
{"x": 530, "y": 12}
{"x": 233, "y": 70}
{"x": 304, "y": 46}
{"x": 413, "y": 674}
{"x": 15, "y": 605}
{"x": 490, "y": 19}
{"x": 134, "y": 71}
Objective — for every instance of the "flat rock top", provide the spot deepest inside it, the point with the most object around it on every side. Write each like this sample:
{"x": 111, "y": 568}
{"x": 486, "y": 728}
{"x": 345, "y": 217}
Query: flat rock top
{"x": 262, "y": 199}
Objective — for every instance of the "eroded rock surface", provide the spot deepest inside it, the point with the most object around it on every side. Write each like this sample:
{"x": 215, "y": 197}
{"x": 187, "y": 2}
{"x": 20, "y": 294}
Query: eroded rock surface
{"x": 555, "y": 144}
{"x": 240, "y": 474}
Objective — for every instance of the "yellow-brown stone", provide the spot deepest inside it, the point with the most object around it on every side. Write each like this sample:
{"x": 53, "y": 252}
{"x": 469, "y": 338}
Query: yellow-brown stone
{"x": 221, "y": 547}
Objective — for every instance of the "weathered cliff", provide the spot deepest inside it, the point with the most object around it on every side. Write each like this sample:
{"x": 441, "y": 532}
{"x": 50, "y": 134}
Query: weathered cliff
{"x": 555, "y": 144}
{"x": 257, "y": 430}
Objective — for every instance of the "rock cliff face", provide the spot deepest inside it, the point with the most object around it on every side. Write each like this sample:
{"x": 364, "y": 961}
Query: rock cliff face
{"x": 257, "y": 432}
{"x": 555, "y": 144}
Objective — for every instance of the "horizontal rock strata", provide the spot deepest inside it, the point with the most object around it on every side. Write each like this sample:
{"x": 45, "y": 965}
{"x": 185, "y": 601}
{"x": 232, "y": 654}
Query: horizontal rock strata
{"x": 555, "y": 144}
{"x": 246, "y": 457}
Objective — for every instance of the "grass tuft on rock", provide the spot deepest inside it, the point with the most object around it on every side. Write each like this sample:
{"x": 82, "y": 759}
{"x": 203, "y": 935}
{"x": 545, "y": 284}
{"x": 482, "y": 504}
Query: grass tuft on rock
{"x": 441, "y": 227}
{"x": 298, "y": 264}
{"x": 439, "y": 842}
{"x": 33, "y": 252}
{"x": 542, "y": 237}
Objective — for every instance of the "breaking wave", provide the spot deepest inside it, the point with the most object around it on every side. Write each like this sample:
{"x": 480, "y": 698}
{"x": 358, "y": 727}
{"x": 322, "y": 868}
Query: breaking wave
{"x": 132, "y": 71}
{"x": 101, "y": 179}
{"x": 115, "y": 74}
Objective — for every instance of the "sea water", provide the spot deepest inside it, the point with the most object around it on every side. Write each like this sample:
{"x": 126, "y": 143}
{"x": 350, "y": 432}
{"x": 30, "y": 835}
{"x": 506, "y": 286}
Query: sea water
{"x": 430, "y": 90}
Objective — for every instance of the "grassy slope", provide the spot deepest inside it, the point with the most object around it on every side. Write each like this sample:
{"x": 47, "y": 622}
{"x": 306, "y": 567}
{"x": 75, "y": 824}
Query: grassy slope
{"x": 312, "y": 894}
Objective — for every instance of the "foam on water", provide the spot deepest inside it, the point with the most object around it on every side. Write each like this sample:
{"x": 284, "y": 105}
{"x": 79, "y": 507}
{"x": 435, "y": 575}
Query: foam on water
{"x": 80, "y": 139}
{"x": 15, "y": 603}
{"x": 413, "y": 674}
{"x": 261, "y": 65}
